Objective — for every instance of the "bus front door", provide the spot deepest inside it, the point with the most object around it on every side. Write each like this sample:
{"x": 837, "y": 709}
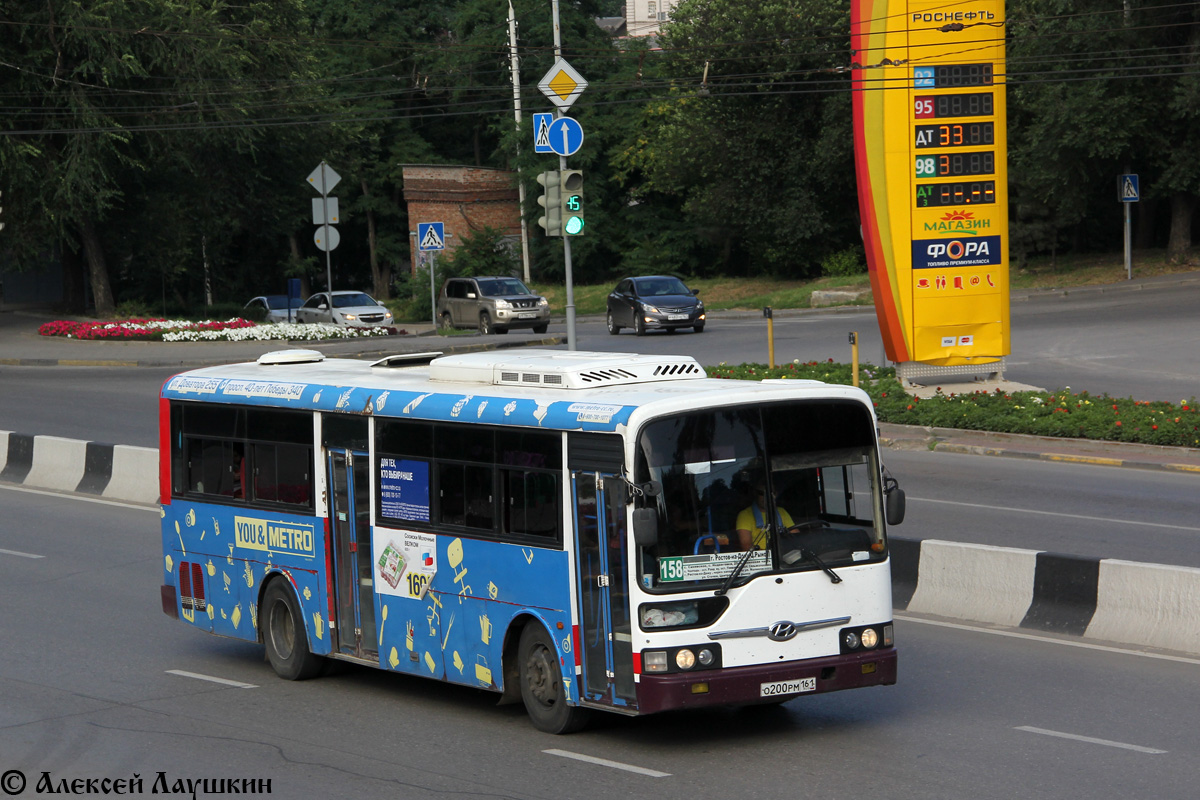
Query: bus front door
{"x": 605, "y": 635}
{"x": 350, "y": 513}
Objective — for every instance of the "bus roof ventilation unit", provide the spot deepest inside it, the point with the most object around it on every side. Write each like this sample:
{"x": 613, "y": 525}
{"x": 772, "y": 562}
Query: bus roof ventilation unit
{"x": 563, "y": 369}
{"x": 291, "y": 357}
{"x": 406, "y": 360}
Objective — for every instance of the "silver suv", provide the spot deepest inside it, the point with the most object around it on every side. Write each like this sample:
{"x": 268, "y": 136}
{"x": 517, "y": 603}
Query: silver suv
{"x": 492, "y": 304}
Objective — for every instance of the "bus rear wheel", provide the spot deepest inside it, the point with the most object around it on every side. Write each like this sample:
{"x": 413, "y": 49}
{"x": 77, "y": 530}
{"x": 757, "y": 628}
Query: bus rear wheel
{"x": 542, "y": 685}
{"x": 284, "y": 634}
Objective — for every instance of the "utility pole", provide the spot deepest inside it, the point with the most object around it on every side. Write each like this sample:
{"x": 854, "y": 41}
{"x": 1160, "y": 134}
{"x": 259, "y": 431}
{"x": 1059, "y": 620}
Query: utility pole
{"x": 516, "y": 82}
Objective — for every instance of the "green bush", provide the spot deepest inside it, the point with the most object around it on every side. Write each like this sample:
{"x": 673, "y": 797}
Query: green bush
{"x": 844, "y": 263}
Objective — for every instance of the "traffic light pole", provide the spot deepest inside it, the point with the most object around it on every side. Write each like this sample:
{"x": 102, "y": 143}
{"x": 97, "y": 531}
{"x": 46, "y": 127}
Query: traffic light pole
{"x": 562, "y": 165}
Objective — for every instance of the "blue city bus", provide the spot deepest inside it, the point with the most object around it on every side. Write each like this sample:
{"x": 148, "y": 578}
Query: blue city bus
{"x": 575, "y": 531}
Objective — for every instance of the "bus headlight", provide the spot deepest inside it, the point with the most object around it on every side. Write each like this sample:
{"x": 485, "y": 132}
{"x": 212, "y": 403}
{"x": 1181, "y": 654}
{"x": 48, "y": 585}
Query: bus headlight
{"x": 865, "y": 637}
{"x": 655, "y": 661}
{"x": 869, "y": 638}
{"x": 685, "y": 659}
{"x": 705, "y": 657}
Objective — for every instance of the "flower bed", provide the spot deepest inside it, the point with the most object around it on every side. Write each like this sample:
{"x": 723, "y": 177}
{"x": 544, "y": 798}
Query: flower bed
{"x": 230, "y": 330}
{"x": 1060, "y": 413}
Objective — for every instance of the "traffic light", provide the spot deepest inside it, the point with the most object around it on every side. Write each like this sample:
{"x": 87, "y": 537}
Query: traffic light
{"x": 572, "y": 201}
{"x": 551, "y": 201}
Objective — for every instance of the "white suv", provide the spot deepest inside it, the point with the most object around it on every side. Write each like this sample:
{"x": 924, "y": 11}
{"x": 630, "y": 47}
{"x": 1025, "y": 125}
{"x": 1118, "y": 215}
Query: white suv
{"x": 492, "y": 304}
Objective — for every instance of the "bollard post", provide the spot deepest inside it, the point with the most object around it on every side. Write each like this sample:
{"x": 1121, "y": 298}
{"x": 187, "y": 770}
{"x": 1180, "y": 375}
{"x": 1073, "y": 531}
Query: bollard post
{"x": 854, "y": 356}
{"x": 770, "y": 336}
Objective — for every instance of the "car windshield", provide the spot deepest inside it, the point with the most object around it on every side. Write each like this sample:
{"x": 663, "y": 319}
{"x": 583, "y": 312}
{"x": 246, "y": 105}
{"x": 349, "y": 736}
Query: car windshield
{"x": 502, "y": 287}
{"x": 277, "y": 301}
{"x": 796, "y": 483}
{"x": 660, "y": 287}
{"x": 352, "y": 300}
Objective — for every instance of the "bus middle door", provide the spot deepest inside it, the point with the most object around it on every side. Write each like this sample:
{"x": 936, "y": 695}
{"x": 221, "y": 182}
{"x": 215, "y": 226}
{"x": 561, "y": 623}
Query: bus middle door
{"x": 350, "y": 510}
{"x": 601, "y": 549}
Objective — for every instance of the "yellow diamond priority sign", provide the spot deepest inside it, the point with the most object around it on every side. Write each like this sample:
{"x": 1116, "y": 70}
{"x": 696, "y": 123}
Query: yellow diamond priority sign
{"x": 562, "y": 84}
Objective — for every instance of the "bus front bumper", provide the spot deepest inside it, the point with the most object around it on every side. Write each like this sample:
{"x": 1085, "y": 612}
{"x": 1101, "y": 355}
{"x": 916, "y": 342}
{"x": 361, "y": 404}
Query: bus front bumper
{"x": 740, "y": 686}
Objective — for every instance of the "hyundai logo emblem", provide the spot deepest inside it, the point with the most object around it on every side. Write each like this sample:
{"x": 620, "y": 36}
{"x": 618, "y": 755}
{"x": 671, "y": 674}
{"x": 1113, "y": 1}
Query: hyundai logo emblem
{"x": 781, "y": 631}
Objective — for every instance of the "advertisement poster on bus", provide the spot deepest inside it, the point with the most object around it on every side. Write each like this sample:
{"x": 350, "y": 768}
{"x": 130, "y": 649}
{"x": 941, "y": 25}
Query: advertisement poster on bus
{"x": 405, "y": 562}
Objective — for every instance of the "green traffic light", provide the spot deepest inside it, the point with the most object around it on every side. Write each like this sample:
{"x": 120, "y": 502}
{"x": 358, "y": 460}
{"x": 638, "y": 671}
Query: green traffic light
{"x": 574, "y": 226}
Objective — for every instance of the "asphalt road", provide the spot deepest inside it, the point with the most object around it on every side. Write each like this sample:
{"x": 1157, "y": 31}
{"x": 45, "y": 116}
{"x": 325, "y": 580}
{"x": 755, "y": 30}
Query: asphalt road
{"x": 1140, "y": 343}
{"x": 980, "y": 714}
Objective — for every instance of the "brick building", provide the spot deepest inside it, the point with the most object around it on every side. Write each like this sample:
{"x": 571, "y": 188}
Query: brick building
{"x": 465, "y": 199}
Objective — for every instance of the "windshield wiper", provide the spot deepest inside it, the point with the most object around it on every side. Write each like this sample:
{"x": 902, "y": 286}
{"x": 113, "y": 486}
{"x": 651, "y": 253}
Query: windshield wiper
{"x": 736, "y": 571}
{"x": 792, "y": 556}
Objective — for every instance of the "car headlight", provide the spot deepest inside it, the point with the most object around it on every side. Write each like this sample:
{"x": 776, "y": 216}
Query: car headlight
{"x": 543, "y": 302}
{"x": 350, "y": 317}
{"x": 649, "y": 309}
{"x": 504, "y": 304}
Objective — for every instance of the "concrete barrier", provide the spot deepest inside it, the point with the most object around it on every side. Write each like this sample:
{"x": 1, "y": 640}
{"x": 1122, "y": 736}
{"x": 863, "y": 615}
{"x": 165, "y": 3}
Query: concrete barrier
{"x": 974, "y": 581}
{"x": 1147, "y": 604}
{"x": 1126, "y": 602}
{"x": 116, "y": 472}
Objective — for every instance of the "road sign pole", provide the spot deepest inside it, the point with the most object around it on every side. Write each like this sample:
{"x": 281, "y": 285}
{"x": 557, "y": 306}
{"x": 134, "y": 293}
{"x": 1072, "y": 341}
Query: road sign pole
{"x": 432, "y": 290}
{"x": 325, "y": 220}
{"x": 562, "y": 164}
{"x": 1128, "y": 241}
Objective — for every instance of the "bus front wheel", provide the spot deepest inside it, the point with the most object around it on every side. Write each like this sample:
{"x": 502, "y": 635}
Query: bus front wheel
{"x": 284, "y": 635}
{"x": 542, "y": 685}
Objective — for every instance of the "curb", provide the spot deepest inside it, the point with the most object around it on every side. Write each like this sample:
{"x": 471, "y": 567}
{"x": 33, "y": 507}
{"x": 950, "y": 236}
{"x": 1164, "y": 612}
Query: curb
{"x": 201, "y": 362}
{"x": 1040, "y": 448}
{"x": 1127, "y": 602}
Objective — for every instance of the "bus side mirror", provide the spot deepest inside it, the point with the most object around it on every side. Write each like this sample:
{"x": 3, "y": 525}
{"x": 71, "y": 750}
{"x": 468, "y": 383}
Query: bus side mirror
{"x": 894, "y": 505}
{"x": 645, "y": 527}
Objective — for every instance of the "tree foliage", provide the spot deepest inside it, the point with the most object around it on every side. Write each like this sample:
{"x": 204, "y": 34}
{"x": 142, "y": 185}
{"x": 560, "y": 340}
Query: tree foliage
{"x": 159, "y": 147}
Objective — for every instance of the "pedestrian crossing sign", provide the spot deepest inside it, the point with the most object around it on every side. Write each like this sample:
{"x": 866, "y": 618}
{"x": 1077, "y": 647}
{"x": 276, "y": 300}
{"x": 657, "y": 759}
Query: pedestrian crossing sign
{"x": 1128, "y": 191}
{"x": 541, "y": 133}
{"x": 431, "y": 236}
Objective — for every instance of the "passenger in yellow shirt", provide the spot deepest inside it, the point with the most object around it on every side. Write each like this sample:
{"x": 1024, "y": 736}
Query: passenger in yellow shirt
{"x": 753, "y": 528}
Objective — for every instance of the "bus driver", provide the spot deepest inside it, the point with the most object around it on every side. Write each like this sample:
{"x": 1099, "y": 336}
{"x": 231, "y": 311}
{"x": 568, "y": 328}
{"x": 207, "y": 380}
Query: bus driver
{"x": 753, "y": 528}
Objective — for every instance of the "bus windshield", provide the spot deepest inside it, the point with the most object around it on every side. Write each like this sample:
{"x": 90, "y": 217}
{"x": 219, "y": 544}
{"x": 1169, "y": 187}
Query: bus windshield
{"x": 796, "y": 483}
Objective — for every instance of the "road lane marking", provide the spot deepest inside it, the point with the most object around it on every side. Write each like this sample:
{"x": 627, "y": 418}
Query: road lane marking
{"x": 1091, "y": 740}
{"x": 211, "y": 679}
{"x": 19, "y": 553}
{"x": 604, "y": 762}
{"x": 1049, "y": 640}
{"x": 1058, "y": 514}
{"x": 73, "y": 496}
